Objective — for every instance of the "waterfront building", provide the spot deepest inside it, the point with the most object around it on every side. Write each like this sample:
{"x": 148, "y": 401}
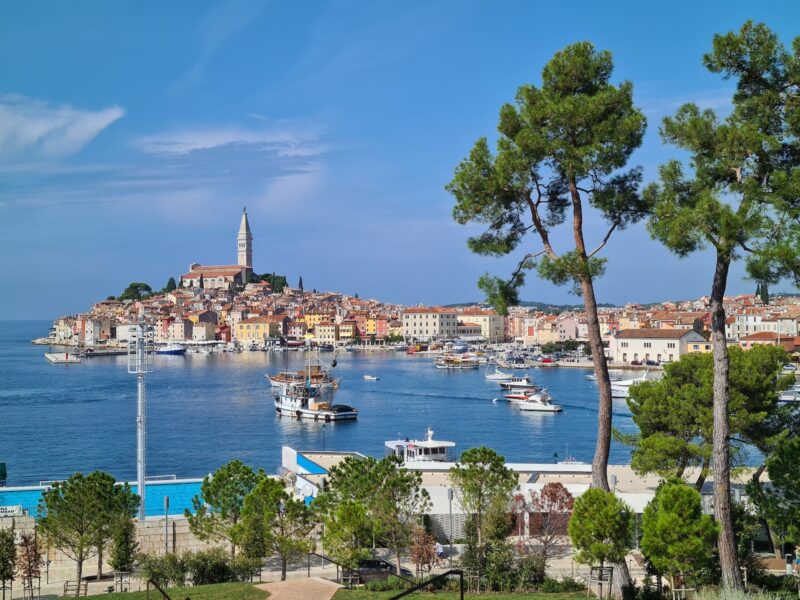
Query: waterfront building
{"x": 492, "y": 325}
{"x": 326, "y": 332}
{"x": 348, "y": 331}
{"x": 258, "y": 329}
{"x": 652, "y": 344}
{"x": 226, "y": 277}
{"x": 435, "y": 323}
{"x": 180, "y": 329}
{"x": 204, "y": 332}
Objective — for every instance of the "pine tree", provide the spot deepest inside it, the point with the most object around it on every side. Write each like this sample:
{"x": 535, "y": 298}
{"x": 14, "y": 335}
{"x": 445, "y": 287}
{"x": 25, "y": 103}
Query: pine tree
{"x": 300, "y": 283}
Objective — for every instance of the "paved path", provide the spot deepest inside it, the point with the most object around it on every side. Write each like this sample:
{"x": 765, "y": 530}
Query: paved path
{"x": 312, "y": 588}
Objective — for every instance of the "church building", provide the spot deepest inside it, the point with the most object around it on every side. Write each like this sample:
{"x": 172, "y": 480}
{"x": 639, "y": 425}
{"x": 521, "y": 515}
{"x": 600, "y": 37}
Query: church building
{"x": 225, "y": 276}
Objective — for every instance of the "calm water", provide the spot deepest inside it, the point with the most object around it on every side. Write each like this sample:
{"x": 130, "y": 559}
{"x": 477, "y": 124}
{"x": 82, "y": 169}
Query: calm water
{"x": 204, "y": 410}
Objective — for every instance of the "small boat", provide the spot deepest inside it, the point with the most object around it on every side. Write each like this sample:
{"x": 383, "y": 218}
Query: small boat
{"x": 498, "y": 375}
{"x": 622, "y": 387}
{"x": 371, "y": 377}
{"x": 539, "y": 401}
{"x": 457, "y": 361}
{"x": 171, "y": 349}
{"x": 518, "y": 383}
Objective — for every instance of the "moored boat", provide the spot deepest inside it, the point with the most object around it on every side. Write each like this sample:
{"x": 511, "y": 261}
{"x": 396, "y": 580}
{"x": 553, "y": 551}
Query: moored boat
{"x": 171, "y": 349}
{"x": 518, "y": 383}
{"x": 457, "y": 361}
{"x": 309, "y": 393}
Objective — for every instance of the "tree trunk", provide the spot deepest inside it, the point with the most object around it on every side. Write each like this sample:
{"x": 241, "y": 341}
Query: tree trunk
{"x": 283, "y": 568}
{"x": 729, "y": 560}
{"x": 79, "y": 575}
{"x": 622, "y": 578}
{"x": 99, "y": 562}
{"x": 397, "y": 557}
{"x": 603, "y": 445}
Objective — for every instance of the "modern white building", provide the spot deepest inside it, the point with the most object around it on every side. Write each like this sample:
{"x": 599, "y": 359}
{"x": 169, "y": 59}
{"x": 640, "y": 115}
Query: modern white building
{"x": 652, "y": 344}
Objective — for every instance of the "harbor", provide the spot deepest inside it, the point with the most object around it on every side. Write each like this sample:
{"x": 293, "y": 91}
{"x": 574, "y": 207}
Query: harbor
{"x": 206, "y": 409}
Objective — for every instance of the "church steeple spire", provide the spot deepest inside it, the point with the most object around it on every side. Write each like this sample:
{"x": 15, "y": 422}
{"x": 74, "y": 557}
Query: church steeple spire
{"x": 245, "y": 242}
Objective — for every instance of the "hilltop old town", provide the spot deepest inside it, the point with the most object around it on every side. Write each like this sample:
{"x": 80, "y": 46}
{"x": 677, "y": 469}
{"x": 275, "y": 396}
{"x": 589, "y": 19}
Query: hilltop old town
{"x": 226, "y": 304}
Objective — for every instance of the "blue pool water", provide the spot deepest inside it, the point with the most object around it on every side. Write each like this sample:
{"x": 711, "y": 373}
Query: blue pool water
{"x": 204, "y": 410}
{"x": 180, "y": 494}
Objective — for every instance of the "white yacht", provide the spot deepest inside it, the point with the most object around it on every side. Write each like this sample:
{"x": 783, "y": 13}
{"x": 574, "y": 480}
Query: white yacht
{"x": 518, "y": 383}
{"x": 498, "y": 375}
{"x": 309, "y": 393}
{"x": 420, "y": 450}
{"x": 538, "y": 401}
{"x": 621, "y": 388}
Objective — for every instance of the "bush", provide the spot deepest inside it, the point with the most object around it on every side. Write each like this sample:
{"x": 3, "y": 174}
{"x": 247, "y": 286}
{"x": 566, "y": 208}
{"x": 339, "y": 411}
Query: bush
{"x": 771, "y": 582}
{"x": 556, "y": 586}
{"x": 169, "y": 570}
{"x": 530, "y": 571}
{"x": 210, "y": 566}
{"x": 244, "y": 568}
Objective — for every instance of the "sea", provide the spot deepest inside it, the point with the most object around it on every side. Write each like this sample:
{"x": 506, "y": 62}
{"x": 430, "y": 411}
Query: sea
{"x": 206, "y": 409}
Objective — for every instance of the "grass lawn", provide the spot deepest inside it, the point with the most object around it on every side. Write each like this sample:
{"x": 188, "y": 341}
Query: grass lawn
{"x": 365, "y": 595}
{"x": 219, "y": 591}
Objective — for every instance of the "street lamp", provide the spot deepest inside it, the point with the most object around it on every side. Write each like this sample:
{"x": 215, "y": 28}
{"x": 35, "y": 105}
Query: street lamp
{"x": 450, "y": 537}
{"x": 323, "y": 437}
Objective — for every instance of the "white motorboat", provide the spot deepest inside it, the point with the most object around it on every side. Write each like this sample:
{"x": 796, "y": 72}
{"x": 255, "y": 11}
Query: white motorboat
{"x": 518, "y": 383}
{"x": 309, "y": 393}
{"x": 538, "y": 401}
{"x": 371, "y": 378}
{"x": 498, "y": 375}
{"x": 622, "y": 387}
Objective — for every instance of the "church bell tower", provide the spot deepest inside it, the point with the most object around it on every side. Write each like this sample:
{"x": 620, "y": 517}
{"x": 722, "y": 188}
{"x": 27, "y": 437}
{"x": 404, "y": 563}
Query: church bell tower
{"x": 245, "y": 243}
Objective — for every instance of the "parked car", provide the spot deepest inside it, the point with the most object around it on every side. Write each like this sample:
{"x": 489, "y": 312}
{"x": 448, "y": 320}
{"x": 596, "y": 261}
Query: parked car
{"x": 651, "y": 363}
{"x": 636, "y": 362}
{"x": 376, "y": 568}
{"x": 547, "y": 359}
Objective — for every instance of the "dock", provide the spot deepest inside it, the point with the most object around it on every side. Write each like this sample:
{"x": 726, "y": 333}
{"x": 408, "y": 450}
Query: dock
{"x": 62, "y": 358}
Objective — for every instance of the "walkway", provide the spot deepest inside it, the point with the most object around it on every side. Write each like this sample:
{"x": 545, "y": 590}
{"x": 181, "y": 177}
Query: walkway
{"x": 312, "y": 588}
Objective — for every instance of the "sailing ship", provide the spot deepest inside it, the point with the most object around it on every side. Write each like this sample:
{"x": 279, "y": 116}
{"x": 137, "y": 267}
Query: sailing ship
{"x": 309, "y": 393}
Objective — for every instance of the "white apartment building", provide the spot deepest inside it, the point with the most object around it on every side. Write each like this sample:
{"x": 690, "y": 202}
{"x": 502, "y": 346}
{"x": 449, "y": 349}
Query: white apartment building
{"x": 652, "y": 344}
{"x": 433, "y": 323}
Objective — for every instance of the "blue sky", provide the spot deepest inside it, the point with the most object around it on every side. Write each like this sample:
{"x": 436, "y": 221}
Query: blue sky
{"x": 131, "y": 138}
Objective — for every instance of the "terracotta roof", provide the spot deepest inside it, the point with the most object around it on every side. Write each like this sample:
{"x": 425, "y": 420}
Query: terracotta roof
{"x": 432, "y": 309}
{"x": 765, "y": 336}
{"x": 658, "y": 334}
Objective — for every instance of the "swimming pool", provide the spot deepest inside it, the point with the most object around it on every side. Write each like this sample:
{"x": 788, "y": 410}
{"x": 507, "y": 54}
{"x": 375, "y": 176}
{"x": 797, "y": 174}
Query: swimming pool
{"x": 179, "y": 491}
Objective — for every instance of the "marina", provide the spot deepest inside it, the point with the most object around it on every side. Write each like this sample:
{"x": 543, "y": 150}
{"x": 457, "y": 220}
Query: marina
{"x": 207, "y": 408}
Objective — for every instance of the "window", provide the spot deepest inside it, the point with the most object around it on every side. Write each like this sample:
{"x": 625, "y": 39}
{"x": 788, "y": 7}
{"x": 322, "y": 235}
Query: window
{"x": 670, "y": 344}
{"x": 647, "y": 344}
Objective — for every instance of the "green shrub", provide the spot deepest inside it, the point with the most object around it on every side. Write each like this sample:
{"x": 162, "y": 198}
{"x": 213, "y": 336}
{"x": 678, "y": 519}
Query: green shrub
{"x": 556, "y": 586}
{"x": 169, "y": 570}
{"x": 243, "y": 568}
{"x": 530, "y": 571}
{"x": 210, "y": 566}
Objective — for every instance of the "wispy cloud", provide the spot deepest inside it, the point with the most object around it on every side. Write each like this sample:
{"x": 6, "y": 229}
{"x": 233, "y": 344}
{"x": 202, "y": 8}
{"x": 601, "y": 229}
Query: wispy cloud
{"x": 283, "y": 141}
{"x": 32, "y": 129}
{"x": 221, "y": 22}
{"x": 719, "y": 100}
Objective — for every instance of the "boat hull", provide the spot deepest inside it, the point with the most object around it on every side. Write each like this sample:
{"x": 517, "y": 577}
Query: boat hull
{"x": 344, "y": 413}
